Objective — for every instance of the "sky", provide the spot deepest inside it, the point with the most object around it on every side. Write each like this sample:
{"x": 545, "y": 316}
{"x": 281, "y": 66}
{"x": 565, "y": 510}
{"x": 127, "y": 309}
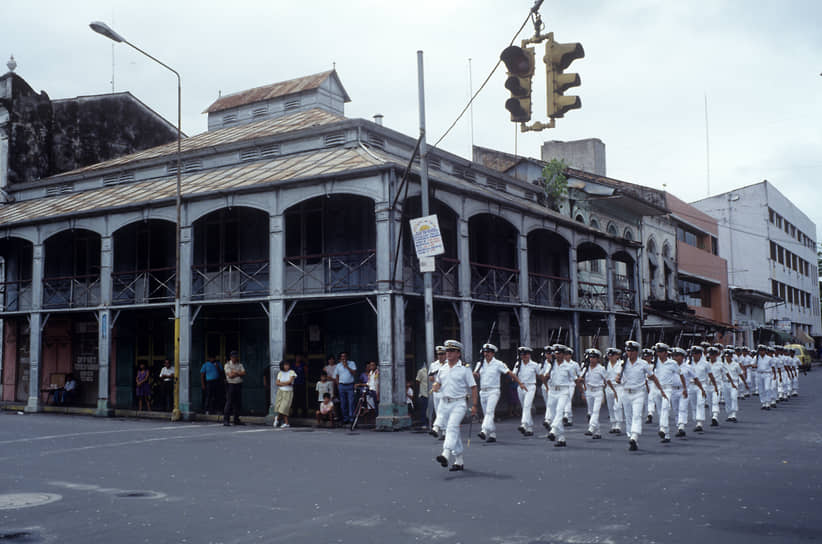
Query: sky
{"x": 649, "y": 68}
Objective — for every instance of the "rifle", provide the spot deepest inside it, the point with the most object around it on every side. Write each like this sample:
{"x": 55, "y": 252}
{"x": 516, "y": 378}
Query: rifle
{"x": 490, "y": 333}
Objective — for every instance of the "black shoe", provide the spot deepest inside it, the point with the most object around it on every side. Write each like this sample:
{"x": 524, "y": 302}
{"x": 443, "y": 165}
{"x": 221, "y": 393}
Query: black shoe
{"x": 596, "y": 437}
{"x": 698, "y": 429}
{"x": 455, "y": 468}
{"x": 238, "y": 422}
{"x": 588, "y": 433}
{"x": 481, "y": 435}
{"x": 589, "y": 418}
{"x": 565, "y": 421}
{"x": 661, "y": 434}
{"x": 560, "y": 444}
{"x": 432, "y": 432}
{"x": 732, "y": 420}
{"x": 546, "y": 425}
{"x": 728, "y": 419}
{"x": 665, "y": 440}
{"x": 617, "y": 431}
{"x": 714, "y": 422}
{"x": 521, "y": 429}
{"x": 491, "y": 439}
{"x": 680, "y": 433}
{"x": 612, "y": 431}
{"x": 632, "y": 446}
{"x": 764, "y": 408}
{"x": 569, "y": 424}
{"x": 551, "y": 437}
{"x": 441, "y": 460}
{"x": 528, "y": 433}
{"x": 442, "y": 437}
{"x": 649, "y": 419}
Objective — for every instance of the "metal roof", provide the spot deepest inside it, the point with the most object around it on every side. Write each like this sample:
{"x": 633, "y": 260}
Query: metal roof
{"x": 267, "y": 92}
{"x": 259, "y": 129}
{"x": 289, "y": 168}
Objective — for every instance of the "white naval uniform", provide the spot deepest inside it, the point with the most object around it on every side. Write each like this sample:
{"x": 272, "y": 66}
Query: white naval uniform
{"x": 633, "y": 395}
{"x": 750, "y": 368}
{"x": 764, "y": 376}
{"x": 527, "y": 374}
{"x": 687, "y": 373}
{"x": 779, "y": 386}
{"x": 595, "y": 385}
{"x": 455, "y": 386}
{"x": 489, "y": 375}
{"x": 436, "y": 366}
{"x": 614, "y": 401}
{"x": 795, "y": 381}
{"x": 563, "y": 378}
{"x": 701, "y": 370}
{"x": 667, "y": 373}
{"x": 544, "y": 370}
{"x": 732, "y": 394}
{"x": 713, "y": 396}
{"x": 654, "y": 396}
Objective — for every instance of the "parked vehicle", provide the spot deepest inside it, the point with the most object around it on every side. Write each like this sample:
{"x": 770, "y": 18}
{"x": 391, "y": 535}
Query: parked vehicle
{"x": 803, "y": 354}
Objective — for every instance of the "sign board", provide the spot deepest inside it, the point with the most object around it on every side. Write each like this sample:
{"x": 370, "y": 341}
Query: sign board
{"x": 428, "y": 264}
{"x": 427, "y": 236}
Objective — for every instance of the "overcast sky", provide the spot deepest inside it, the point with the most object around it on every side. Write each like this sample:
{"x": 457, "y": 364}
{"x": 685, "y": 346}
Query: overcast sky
{"x": 648, "y": 66}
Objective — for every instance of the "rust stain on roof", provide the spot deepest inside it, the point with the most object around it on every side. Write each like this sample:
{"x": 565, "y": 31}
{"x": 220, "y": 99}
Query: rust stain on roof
{"x": 274, "y": 90}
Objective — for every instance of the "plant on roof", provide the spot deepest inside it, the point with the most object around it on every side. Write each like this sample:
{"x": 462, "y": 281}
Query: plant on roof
{"x": 554, "y": 182}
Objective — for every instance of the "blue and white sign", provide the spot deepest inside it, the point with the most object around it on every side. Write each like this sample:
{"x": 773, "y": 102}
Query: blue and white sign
{"x": 427, "y": 236}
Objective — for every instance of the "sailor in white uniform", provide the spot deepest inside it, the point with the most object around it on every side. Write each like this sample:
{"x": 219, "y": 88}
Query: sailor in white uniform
{"x": 544, "y": 378}
{"x": 433, "y": 369}
{"x": 718, "y": 373}
{"x": 635, "y": 372}
{"x": 454, "y": 387}
{"x": 526, "y": 372}
{"x": 687, "y": 374}
{"x": 487, "y": 373}
{"x": 669, "y": 376}
{"x": 563, "y": 378}
{"x": 613, "y": 368}
{"x": 735, "y": 378}
{"x": 701, "y": 370}
{"x": 595, "y": 383}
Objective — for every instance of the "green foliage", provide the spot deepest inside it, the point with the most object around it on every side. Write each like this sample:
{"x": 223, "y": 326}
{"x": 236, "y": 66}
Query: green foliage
{"x": 555, "y": 184}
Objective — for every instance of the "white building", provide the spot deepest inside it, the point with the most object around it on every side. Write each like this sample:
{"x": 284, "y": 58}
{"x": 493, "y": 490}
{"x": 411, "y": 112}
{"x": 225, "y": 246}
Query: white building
{"x": 770, "y": 246}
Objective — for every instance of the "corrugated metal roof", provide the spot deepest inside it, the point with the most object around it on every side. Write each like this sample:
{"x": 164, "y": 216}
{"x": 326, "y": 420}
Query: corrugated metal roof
{"x": 267, "y": 92}
{"x": 260, "y": 129}
{"x": 292, "y": 167}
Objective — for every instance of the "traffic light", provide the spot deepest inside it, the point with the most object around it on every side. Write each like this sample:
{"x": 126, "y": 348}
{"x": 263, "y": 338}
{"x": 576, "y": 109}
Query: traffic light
{"x": 520, "y": 64}
{"x": 558, "y": 57}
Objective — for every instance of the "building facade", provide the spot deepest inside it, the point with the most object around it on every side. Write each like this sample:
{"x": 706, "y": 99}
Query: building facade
{"x": 770, "y": 245}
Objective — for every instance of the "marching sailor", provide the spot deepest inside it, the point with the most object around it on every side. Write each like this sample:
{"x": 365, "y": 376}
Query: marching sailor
{"x": 563, "y": 378}
{"x": 764, "y": 375}
{"x": 669, "y": 376}
{"x": 687, "y": 377}
{"x": 654, "y": 395}
{"x": 544, "y": 377}
{"x": 734, "y": 373}
{"x": 526, "y": 373}
{"x": 454, "y": 386}
{"x": 717, "y": 371}
{"x": 433, "y": 370}
{"x": 701, "y": 370}
{"x": 568, "y": 411}
{"x": 595, "y": 384}
{"x": 488, "y": 372}
{"x": 634, "y": 374}
{"x": 795, "y": 367}
{"x": 612, "y": 396}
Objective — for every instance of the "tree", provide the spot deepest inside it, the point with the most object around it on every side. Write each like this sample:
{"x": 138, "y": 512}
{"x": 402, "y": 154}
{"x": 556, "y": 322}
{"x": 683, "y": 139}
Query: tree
{"x": 555, "y": 183}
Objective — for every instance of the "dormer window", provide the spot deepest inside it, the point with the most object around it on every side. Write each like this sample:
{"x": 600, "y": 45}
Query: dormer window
{"x": 229, "y": 118}
{"x": 292, "y": 104}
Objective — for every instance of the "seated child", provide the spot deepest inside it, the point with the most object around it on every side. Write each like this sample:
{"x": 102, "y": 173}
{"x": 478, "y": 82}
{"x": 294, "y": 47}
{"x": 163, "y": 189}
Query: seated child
{"x": 326, "y": 411}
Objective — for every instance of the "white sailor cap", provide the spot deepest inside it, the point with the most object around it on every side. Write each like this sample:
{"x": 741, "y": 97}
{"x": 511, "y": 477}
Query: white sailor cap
{"x": 547, "y": 349}
{"x": 762, "y": 346}
{"x": 678, "y": 351}
{"x": 697, "y": 348}
{"x": 646, "y": 352}
{"x": 440, "y": 349}
{"x": 713, "y": 350}
{"x": 612, "y": 351}
{"x": 489, "y": 347}
{"x": 660, "y": 346}
{"x": 631, "y": 345}
{"x": 452, "y": 344}
{"x": 524, "y": 349}
{"x": 593, "y": 352}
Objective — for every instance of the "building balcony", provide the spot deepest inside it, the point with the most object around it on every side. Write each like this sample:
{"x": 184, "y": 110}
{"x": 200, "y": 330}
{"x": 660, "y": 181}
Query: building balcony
{"x": 444, "y": 279}
{"x": 155, "y": 285}
{"x": 245, "y": 279}
{"x": 16, "y": 295}
{"x": 71, "y": 291}
{"x": 345, "y": 272}
{"x": 592, "y": 296}
{"x": 495, "y": 283}
{"x": 545, "y": 290}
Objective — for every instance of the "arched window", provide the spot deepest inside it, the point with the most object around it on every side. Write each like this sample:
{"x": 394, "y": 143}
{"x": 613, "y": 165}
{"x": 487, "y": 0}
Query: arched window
{"x": 580, "y": 219}
{"x": 666, "y": 250}
{"x": 594, "y": 224}
{"x": 628, "y": 235}
{"x": 612, "y": 229}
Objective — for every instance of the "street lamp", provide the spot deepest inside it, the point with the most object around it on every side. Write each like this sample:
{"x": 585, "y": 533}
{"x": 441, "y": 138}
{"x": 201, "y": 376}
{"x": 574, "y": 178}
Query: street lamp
{"x": 105, "y": 30}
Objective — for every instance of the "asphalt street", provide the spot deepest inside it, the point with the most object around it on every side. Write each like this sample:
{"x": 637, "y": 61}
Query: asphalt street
{"x": 83, "y": 479}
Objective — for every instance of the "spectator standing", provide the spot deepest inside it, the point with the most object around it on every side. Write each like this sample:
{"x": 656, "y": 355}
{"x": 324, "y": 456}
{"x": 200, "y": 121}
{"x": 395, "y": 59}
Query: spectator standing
{"x": 234, "y": 372}
{"x": 209, "y": 381}
{"x": 285, "y": 394}
{"x": 167, "y": 385}
{"x": 324, "y": 386}
{"x": 143, "y": 387}
{"x": 344, "y": 374}
{"x": 331, "y": 364}
{"x": 422, "y": 395}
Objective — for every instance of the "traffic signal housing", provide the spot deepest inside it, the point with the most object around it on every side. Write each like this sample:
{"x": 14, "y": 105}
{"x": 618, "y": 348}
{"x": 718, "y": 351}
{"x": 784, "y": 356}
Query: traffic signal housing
{"x": 558, "y": 57}
{"x": 519, "y": 61}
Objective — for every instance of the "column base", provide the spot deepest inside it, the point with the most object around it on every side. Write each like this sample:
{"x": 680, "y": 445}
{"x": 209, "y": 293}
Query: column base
{"x": 104, "y": 409}
{"x": 182, "y": 413}
{"x": 33, "y": 406}
{"x": 269, "y": 417}
{"x": 393, "y": 418}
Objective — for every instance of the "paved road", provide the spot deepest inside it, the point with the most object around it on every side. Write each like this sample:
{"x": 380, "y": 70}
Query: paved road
{"x": 125, "y": 481}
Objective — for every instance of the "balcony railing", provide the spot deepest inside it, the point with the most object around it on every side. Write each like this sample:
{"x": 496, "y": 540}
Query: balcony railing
{"x": 71, "y": 291}
{"x": 348, "y": 271}
{"x": 496, "y": 283}
{"x": 624, "y": 293}
{"x": 545, "y": 290}
{"x": 444, "y": 279}
{"x": 593, "y": 296}
{"x": 143, "y": 286}
{"x": 230, "y": 280}
{"x": 16, "y": 295}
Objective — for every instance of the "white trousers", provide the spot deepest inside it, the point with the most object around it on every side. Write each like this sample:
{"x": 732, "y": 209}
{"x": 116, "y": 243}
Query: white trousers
{"x": 795, "y": 383}
{"x": 557, "y": 399}
{"x": 696, "y": 404}
{"x": 488, "y": 400}
{"x": 435, "y": 399}
{"x": 526, "y": 400}
{"x": 546, "y": 396}
{"x": 713, "y": 398}
{"x": 731, "y": 399}
{"x": 763, "y": 383}
{"x": 654, "y": 400}
{"x": 665, "y": 409}
{"x": 633, "y": 401}
{"x": 568, "y": 409}
{"x": 593, "y": 397}
{"x": 453, "y": 413}
{"x": 614, "y": 403}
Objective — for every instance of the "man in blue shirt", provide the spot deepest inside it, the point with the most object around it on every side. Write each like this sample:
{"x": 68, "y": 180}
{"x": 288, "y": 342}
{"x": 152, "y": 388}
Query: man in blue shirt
{"x": 344, "y": 376}
{"x": 209, "y": 380}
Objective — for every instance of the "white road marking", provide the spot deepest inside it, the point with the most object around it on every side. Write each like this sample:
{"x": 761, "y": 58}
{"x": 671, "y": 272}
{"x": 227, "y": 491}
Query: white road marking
{"x": 89, "y": 433}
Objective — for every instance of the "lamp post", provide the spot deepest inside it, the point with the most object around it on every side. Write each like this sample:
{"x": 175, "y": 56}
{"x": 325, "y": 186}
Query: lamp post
{"x": 105, "y": 30}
